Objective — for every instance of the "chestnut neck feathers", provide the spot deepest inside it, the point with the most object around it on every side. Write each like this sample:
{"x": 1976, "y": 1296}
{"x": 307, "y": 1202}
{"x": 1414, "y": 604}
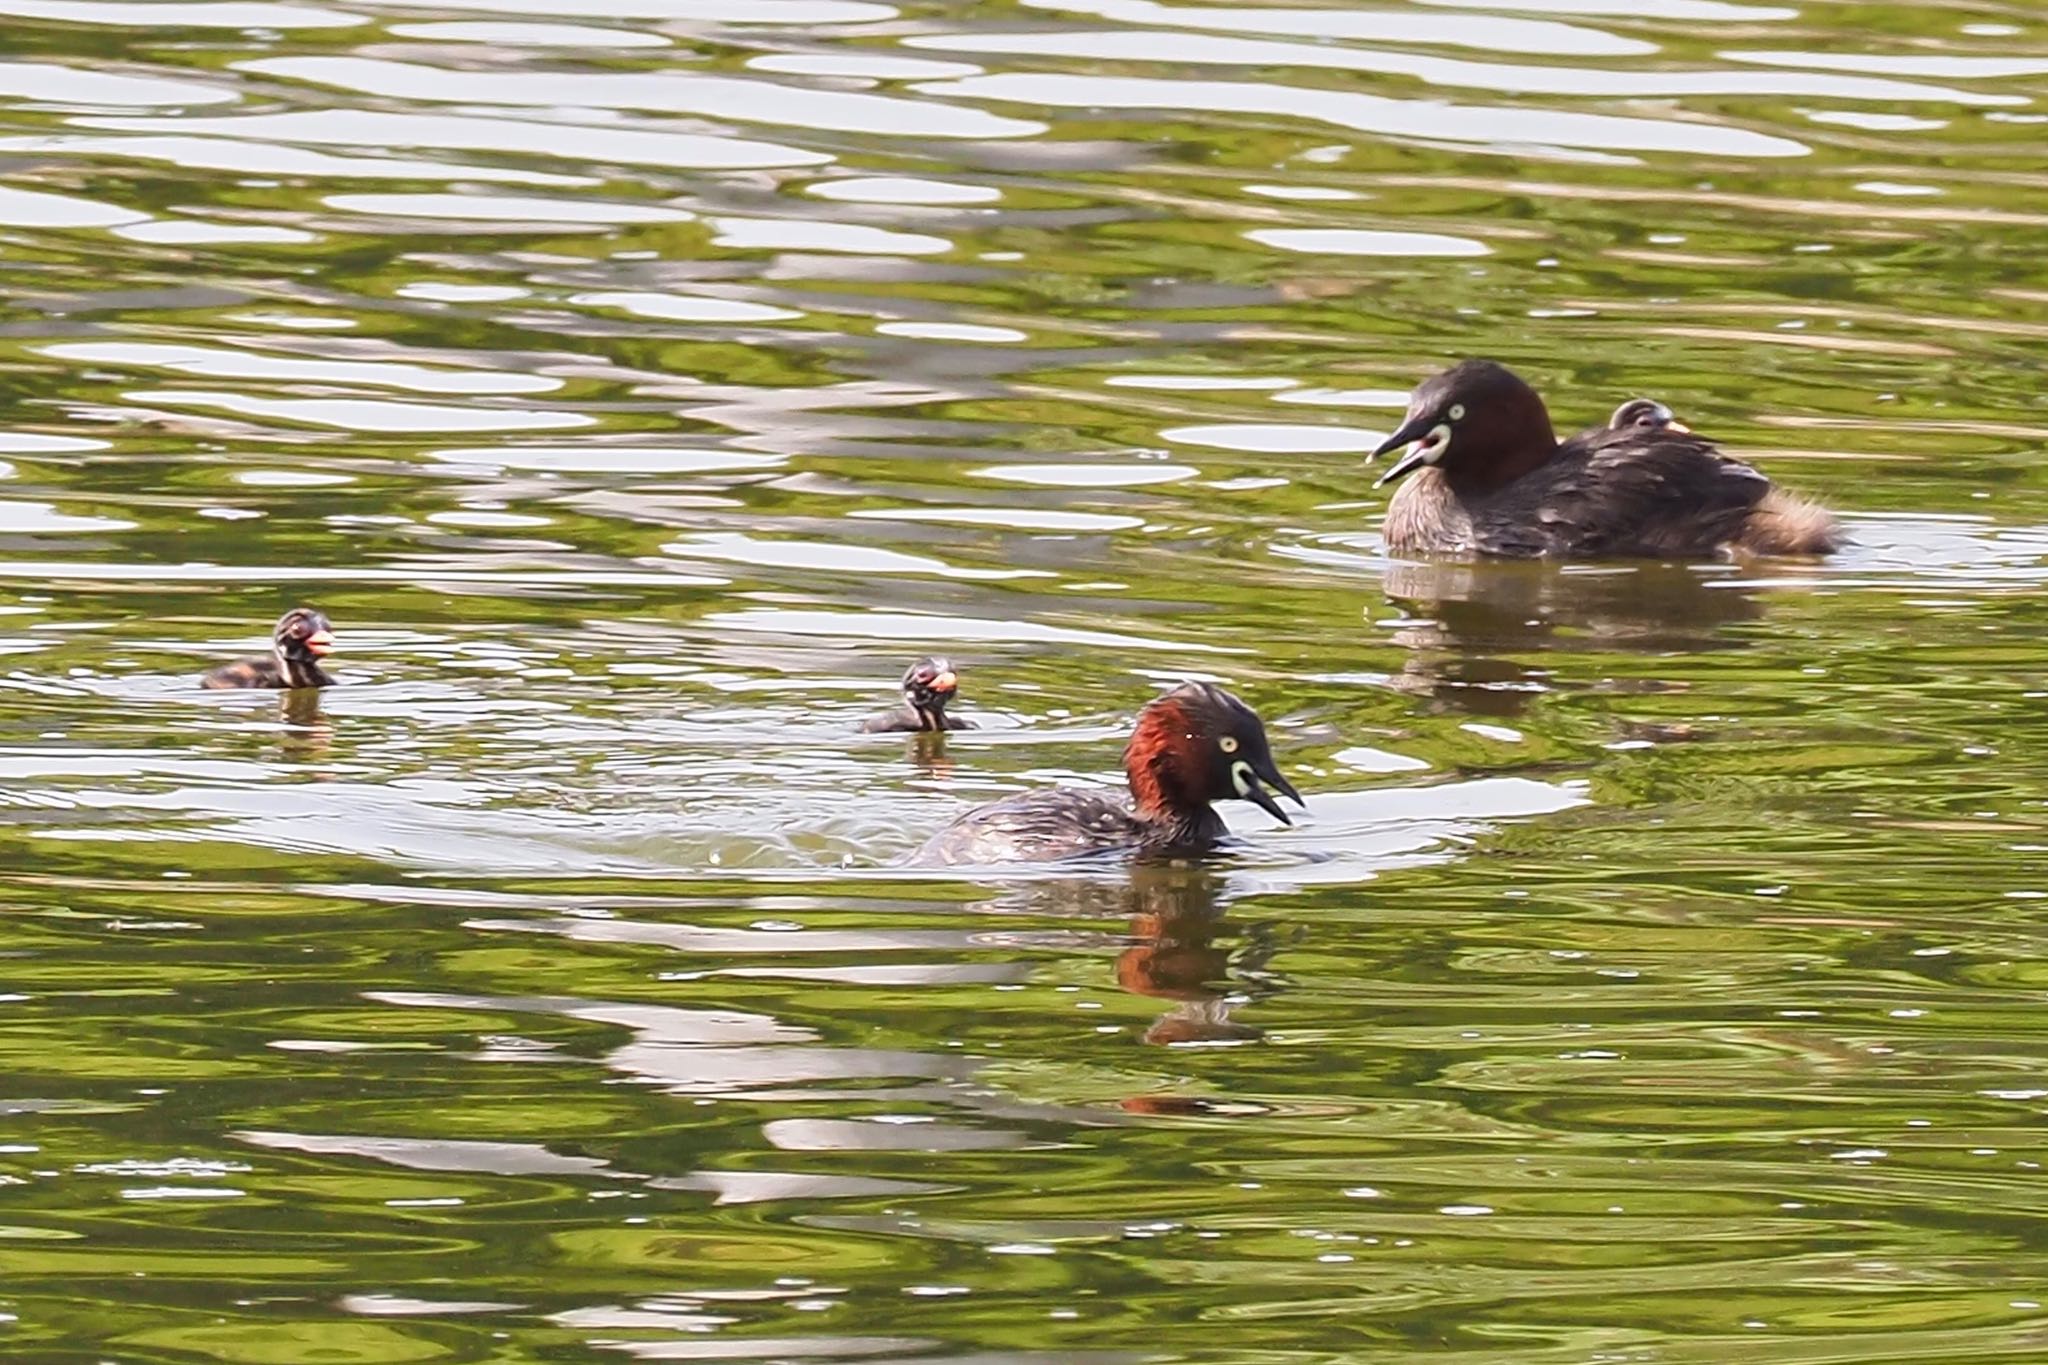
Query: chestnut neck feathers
{"x": 1164, "y": 765}
{"x": 1196, "y": 745}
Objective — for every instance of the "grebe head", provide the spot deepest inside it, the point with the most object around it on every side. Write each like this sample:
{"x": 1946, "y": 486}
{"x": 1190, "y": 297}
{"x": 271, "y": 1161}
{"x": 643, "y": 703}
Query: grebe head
{"x": 1199, "y": 744}
{"x": 302, "y": 635}
{"x": 1645, "y": 413}
{"x": 928, "y": 685}
{"x": 1476, "y": 421}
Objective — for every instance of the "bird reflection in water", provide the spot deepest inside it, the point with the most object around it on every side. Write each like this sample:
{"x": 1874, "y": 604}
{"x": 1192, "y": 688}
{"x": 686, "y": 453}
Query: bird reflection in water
{"x": 1174, "y": 954}
{"x": 1467, "y": 623}
{"x": 307, "y": 734}
{"x": 927, "y": 753}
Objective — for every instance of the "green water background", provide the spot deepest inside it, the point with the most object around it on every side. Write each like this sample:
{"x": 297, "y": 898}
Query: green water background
{"x": 1659, "y": 975}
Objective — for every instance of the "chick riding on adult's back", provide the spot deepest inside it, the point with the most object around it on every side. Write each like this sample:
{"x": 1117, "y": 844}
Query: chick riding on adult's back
{"x": 1488, "y": 476}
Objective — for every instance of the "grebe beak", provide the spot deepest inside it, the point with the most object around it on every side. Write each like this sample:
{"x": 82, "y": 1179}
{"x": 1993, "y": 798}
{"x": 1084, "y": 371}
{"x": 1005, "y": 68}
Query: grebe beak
{"x": 947, "y": 682}
{"x": 1263, "y": 799}
{"x": 1675, "y": 425}
{"x": 1412, "y": 431}
{"x": 1409, "y": 432}
{"x": 320, "y": 643}
{"x": 1408, "y": 464}
{"x": 1247, "y": 778}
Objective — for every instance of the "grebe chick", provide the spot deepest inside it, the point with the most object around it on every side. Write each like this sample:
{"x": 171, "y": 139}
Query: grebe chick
{"x": 928, "y": 685}
{"x": 297, "y": 645}
{"x": 1194, "y": 745}
{"x": 1491, "y": 478}
{"x": 1646, "y": 413}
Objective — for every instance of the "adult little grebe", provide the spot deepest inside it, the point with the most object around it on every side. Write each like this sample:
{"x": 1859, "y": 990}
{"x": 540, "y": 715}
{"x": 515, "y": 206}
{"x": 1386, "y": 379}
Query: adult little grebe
{"x": 1194, "y": 745}
{"x": 301, "y": 638}
{"x": 928, "y": 685}
{"x": 1491, "y": 478}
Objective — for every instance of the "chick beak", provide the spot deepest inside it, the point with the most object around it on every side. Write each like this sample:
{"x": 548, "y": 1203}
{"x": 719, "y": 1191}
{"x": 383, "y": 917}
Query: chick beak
{"x": 1409, "y": 432}
{"x": 320, "y": 643}
{"x": 947, "y": 682}
{"x": 1675, "y": 425}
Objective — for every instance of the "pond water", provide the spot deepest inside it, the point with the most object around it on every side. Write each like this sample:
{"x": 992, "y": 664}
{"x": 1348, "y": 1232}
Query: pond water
{"x": 1658, "y": 974}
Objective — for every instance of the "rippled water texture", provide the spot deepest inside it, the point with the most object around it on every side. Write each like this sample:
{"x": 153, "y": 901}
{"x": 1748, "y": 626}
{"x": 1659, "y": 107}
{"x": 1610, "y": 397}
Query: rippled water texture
{"x": 1659, "y": 975}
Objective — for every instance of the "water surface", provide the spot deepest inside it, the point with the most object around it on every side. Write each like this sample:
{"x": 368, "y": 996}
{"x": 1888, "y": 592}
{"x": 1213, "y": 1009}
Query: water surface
{"x": 1656, "y": 976}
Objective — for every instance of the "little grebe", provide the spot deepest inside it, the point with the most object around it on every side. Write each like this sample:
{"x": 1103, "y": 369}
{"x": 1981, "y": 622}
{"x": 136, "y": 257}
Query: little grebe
{"x": 301, "y": 638}
{"x": 1646, "y": 413}
{"x": 1194, "y": 745}
{"x": 1491, "y": 478}
{"x": 928, "y": 685}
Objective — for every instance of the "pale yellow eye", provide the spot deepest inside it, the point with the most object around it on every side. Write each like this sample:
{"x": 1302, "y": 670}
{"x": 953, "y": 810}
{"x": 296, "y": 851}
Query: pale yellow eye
{"x": 1457, "y": 412}
{"x": 1228, "y": 744}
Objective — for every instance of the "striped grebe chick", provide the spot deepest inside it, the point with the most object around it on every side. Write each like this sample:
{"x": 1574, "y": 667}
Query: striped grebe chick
{"x": 928, "y": 685}
{"x": 302, "y": 638}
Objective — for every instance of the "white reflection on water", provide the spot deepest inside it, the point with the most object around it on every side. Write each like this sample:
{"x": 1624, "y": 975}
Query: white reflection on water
{"x": 1955, "y": 68}
{"x": 1495, "y": 128}
{"x": 809, "y": 234}
{"x": 506, "y": 209}
{"x": 1581, "y": 81}
{"x": 40, "y": 518}
{"x": 739, "y": 548}
{"x": 1103, "y": 475}
{"x": 368, "y": 414}
{"x": 71, "y": 85}
{"x": 710, "y": 11}
{"x": 530, "y": 35}
{"x": 1276, "y": 437}
{"x": 1488, "y": 31}
{"x": 684, "y": 307}
{"x": 576, "y": 142}
{"x": 223, "y": 154}
{"x": 195, "y": 232}
{"x": 1678, "y": 11}
{"x": 217, "y": 363}
{"x": 678, "y": 92}
{"x": 239, "y": 14}
{"x": 898, "y": 189}
{"x": 860, "y": 65}
{"x": 1362, "y": 242}
{"x": 34, "y": 208}
{"x": 600, "y": 458}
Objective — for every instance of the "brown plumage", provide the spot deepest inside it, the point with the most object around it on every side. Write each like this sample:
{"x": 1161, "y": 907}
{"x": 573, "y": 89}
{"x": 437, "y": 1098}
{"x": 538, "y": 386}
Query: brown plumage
{"x": 302, "y": 637}
{"x": 928, "y": 685}
{"x": 1488, "y": 476}
{"x": 1195, "y": 745}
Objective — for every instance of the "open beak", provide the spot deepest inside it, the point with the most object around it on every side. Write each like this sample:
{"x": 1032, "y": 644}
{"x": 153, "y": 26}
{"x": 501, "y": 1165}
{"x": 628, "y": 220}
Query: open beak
{"x": 320, "y": 643}
{"x": 945, "y": 682}
{"x": 1263, "y": 799}
{"x": 1410, "y": 431}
